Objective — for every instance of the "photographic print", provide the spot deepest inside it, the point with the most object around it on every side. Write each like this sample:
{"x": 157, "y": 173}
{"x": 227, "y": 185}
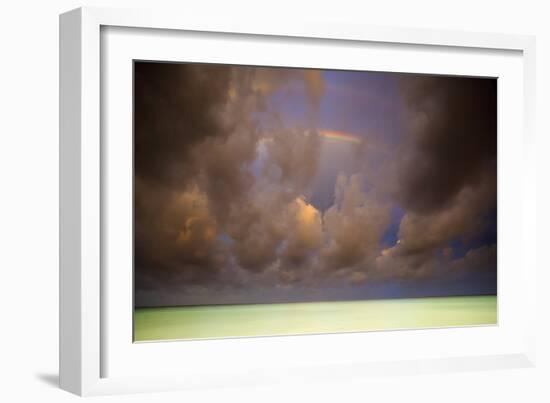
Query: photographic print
{"x": 276, "y": 201}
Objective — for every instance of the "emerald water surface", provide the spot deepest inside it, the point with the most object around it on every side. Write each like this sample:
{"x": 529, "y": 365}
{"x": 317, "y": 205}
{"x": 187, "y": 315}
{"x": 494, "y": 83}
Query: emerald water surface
{"x": 214, "y": 321}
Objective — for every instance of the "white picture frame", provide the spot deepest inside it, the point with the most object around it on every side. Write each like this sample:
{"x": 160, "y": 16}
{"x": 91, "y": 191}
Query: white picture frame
{"x": 86, "y": 345}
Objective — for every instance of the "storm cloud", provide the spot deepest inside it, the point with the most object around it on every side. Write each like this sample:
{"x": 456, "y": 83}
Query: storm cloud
{"x": 230, "y": 189}
{"x": 446, "y": 174}
{"x": 451, "y": 141}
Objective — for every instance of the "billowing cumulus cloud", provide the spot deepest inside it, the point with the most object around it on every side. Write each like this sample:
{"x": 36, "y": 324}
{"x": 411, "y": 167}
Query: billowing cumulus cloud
{"x": 353, "y": 225}
{"x": 292, "y": 158}
{"x": 304, "y": 232}
{"x": 463, "y": 217}
{"x": 446, "y": 176}
{"x": 198, "y": 205}
{"x": 176, "y": 237}
{"x": 235, "y": 201}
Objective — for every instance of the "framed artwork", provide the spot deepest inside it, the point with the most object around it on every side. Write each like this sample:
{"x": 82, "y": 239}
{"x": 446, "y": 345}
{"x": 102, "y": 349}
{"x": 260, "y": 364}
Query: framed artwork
{"x": 322, "y": 185}
{"x": 272, "y": 201}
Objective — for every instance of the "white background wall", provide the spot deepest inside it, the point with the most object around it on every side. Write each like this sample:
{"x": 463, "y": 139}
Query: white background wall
{"x": 29, "y": 201}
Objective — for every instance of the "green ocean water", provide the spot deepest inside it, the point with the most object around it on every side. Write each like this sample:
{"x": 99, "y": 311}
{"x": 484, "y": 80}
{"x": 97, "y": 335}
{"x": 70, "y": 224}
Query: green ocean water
{"x": 217, "y": 321}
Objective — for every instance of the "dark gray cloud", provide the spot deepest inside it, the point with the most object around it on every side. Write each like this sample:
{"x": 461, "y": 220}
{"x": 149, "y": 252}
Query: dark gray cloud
{"x": 175, "y": 107}
{"x": 452, "y": 142}
{"x": 209, "y": 222}
{"x": 199, "y": 211}
{"x": 445, "y": 172}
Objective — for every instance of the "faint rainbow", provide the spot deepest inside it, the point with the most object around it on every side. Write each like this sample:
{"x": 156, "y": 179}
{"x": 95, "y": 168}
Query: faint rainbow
{"x": 344, "y": 137}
